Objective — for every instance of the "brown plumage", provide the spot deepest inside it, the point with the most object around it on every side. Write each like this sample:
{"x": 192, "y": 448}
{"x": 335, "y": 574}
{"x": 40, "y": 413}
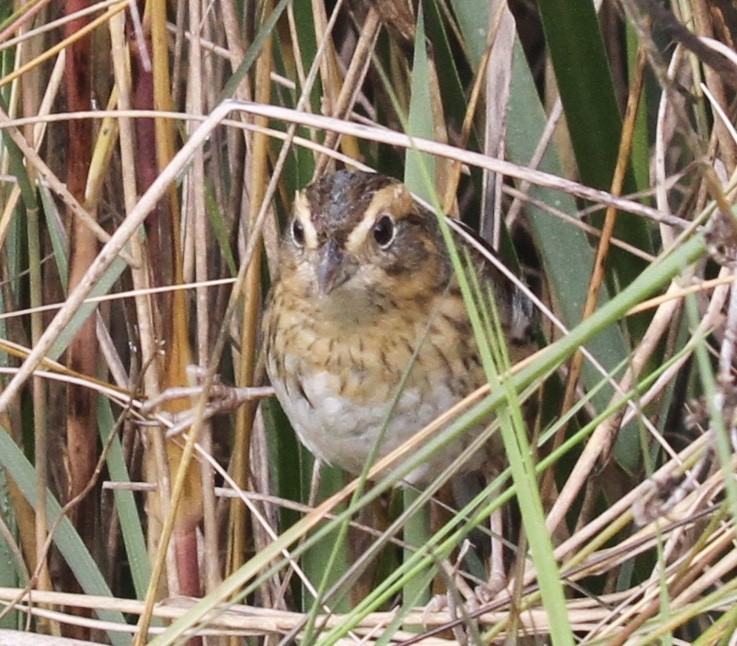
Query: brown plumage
{"x": 364, "y": 292}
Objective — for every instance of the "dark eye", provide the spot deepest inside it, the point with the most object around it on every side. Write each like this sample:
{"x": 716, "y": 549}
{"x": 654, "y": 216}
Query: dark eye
{"x": 384, "y": 231}
{"x": 298, "y": 233}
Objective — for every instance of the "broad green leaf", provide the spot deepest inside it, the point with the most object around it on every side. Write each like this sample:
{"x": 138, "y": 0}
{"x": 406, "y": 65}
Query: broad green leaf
{"x": 586, "y": 90}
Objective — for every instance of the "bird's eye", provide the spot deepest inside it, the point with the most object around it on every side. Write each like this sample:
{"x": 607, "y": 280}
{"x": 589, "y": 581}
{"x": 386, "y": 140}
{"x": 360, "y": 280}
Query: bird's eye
{"x": 384, "y": 231}
{"x": 298, "y": 233}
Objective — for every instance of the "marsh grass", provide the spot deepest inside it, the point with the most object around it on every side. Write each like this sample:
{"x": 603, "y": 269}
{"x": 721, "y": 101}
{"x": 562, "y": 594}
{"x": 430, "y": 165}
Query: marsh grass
{"x": 201, "y": 120}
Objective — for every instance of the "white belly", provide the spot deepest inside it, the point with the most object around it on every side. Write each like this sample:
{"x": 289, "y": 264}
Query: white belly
{"x": 339, "y": 432}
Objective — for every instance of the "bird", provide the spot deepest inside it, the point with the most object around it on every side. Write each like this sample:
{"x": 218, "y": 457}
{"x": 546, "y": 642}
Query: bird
{"x": 367, "y": 336}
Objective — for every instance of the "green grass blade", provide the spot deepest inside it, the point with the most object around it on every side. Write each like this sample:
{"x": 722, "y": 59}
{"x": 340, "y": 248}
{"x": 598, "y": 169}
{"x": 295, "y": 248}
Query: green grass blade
{"x": 125, "y": 504}
{"x": 74, "y": 551}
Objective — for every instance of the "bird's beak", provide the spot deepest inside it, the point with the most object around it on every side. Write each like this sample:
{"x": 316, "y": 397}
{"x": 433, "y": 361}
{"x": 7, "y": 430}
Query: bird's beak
{"x": 331, "y": 268}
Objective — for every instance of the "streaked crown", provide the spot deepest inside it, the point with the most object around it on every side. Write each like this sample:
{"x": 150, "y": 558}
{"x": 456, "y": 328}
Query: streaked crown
{"x": 356, "y": 230}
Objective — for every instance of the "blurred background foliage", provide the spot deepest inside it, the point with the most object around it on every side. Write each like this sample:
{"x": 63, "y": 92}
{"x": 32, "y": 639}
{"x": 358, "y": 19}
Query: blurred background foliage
{"x": 149, "y": 154}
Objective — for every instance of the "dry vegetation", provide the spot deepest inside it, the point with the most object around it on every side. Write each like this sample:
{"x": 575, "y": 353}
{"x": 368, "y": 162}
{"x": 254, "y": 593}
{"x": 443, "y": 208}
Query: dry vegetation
{"x": 149, "y": 153}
